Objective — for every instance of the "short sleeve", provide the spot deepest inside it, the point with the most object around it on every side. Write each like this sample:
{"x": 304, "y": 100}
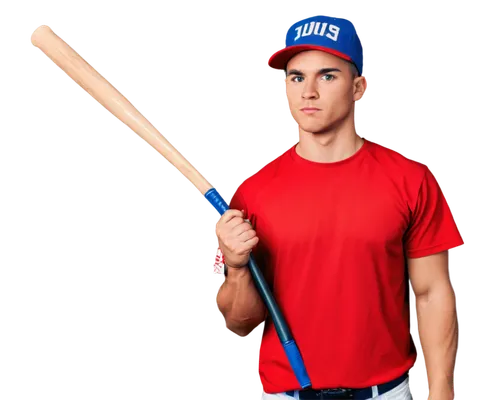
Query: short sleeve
{"x": 432, "y": 228}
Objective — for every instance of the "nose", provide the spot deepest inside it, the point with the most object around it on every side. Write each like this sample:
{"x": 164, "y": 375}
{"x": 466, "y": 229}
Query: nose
{"x": 310, "y": 91}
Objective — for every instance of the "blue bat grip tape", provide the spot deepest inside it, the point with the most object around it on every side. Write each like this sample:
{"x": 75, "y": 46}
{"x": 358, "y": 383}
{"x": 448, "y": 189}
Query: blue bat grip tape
{"x": 217, "y": 201}
{"x": 297, "y": 363}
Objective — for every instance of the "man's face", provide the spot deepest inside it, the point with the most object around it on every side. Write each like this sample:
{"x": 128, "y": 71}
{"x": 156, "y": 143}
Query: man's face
{"x": 316, "y": 79}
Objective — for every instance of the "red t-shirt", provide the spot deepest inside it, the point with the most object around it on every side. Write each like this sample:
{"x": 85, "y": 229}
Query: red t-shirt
{"x": 334, "y": 238}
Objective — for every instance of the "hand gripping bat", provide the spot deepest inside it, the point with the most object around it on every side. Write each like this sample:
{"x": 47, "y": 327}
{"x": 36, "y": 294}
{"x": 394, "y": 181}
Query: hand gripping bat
{"x": 101, "y": 90}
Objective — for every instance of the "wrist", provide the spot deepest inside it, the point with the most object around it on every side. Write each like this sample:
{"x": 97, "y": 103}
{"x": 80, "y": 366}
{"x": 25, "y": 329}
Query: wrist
{"x": 229, "y": 270}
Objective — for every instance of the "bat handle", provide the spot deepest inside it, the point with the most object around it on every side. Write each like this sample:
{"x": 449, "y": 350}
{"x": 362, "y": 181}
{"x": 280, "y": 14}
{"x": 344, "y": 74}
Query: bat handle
{"x": 284, "y": 334}
{"x": 280, "y": 324}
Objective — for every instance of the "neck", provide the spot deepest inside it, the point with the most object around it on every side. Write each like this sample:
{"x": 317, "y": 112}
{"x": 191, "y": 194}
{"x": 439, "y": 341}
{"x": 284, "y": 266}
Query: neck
{"x": 333, "y": 145}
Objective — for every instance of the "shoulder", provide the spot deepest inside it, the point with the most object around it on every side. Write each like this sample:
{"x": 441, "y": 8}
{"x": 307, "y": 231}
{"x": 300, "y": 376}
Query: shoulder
{"x": 397, "y": 173}
{"x": 396, "y": 165}
{"x": 264, "y": 176}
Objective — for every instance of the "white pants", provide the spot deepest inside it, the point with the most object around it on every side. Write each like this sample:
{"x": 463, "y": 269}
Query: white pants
{"x": 400, "y": 392}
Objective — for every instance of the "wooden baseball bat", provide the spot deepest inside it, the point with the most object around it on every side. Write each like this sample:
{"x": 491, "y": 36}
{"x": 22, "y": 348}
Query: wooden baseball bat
{"x": 101, "y": 90}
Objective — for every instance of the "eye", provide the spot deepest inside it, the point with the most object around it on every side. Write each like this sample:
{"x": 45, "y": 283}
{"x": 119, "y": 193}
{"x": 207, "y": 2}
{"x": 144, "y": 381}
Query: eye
{"x": 294, "y": 78}
{"x": 328, "y": 77}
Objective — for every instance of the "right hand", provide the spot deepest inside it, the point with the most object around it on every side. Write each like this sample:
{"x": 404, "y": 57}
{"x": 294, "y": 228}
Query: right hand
{"x": 236, "y": 238}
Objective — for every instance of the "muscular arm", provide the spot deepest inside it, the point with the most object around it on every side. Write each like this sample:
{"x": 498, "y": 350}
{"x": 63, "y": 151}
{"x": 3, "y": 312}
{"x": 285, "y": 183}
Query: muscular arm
{"x": 437, "y": 321}
{"x": 239, "y": 302}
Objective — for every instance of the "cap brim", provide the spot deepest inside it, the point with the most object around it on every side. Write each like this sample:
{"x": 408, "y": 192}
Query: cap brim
{"x": 279, "y": 59}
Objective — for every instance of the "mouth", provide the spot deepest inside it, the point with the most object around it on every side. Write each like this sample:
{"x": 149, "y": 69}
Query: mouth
{"x": 309, "y": 110}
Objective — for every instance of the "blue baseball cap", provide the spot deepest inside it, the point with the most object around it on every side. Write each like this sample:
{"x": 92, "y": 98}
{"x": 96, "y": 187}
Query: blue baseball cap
{"x": 336, "y": 36}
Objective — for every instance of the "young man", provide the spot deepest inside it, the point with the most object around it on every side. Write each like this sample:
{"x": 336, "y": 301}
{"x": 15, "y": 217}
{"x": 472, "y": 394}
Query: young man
{"x": 343, "y": 223}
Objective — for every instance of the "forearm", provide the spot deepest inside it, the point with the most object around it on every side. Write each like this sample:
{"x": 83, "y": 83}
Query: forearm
{"x": 438, "y": 330}
{"x": 239, "y": 301}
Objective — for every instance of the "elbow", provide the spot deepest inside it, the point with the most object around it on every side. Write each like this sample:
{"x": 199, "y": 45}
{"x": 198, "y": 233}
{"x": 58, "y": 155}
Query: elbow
{"x": 241, "y": 329}
{"x": 244, "y": 327}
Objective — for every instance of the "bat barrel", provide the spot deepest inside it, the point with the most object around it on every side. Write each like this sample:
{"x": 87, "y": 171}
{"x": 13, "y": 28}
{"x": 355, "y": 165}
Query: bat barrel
{"x": 100, "y": 89}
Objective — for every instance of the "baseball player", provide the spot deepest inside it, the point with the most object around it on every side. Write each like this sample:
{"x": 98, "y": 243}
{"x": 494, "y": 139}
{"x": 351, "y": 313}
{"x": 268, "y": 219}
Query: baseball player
{"x": 339, "y": 225}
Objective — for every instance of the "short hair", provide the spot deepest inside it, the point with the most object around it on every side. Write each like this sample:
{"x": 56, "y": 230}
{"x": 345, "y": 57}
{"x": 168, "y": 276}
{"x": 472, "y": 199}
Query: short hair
{"x": 354, "y": 70}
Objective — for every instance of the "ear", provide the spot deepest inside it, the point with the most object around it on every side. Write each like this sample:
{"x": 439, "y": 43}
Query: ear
{"x": 358, "y": 87}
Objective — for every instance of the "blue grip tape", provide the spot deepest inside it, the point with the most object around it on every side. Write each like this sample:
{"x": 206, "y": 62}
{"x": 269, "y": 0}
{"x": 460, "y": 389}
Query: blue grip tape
{"x": 297, "y": 363}
{"x": 217, "y": 201}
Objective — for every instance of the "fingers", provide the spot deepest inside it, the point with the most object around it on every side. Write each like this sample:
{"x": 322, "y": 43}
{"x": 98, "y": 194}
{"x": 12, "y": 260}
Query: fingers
{"x": 241, "y": 248}
{"x": 231, "y": 213}
{"x": 247, "y": 236}
{"x": 227, "y": 216}
{"x": 236, "y": 235}
{"x": 238, "y": 226}
{"x": 230, "y": 219}
{"x": 252, "y": 241}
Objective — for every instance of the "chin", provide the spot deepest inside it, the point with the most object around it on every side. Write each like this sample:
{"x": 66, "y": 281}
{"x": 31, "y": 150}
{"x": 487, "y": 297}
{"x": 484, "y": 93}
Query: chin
{"x": 314, "y": 126}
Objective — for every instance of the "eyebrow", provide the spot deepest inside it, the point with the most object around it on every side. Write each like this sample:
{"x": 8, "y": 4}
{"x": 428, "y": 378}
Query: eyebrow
{"x": 320, "y": 72}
